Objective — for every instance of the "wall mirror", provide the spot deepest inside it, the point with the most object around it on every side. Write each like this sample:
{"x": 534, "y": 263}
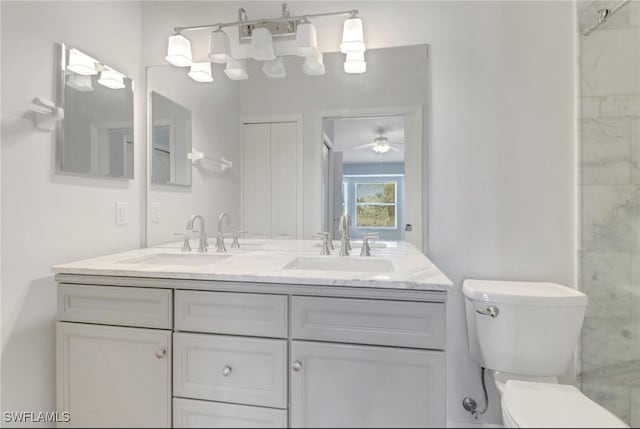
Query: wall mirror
{"x": 96, "y": 135}
{"x": 170, "y": 142}
{"x": 305, "y": 149}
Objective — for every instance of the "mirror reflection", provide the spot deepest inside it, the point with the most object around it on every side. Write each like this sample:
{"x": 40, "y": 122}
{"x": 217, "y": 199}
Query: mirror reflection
{"x": 308, "y": 149}
{"x": 96, "y": 135}
{"x": 171, "y": 141}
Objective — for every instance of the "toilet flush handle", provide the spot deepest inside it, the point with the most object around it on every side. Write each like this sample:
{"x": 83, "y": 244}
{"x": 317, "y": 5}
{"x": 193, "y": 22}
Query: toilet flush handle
{"x": 491, "y": 310}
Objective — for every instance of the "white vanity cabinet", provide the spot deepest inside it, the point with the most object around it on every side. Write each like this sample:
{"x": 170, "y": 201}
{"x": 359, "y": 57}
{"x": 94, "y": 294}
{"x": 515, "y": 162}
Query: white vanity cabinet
{"x": 226, "y": 354}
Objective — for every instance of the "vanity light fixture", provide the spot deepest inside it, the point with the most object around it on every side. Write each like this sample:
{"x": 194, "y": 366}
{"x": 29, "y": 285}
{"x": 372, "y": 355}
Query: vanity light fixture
{"x": 307, "y": 40}
{"x": 262, "y": 44}
{"x": 269, "y": 40}
{"x": 179, "y": 51}
{"x": 219, "y": 49}
{"x": 111, "y": 78}
{"x": 313, "y": 66}
{"x": 81, "y": 63}
{"x": 274, "y": 68}
{"x": 80, "y": 82}
{"x": 237, "y": 70}
{"x": 355, "y": 63}
{"x": 201, "y": 72}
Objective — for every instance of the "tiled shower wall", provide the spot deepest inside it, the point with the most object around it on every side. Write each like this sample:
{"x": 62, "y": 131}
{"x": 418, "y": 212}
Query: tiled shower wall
{"x": 610, "y": 198}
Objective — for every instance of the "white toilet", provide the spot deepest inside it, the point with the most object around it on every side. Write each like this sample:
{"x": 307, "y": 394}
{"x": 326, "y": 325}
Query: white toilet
{"x": 525, "y": 334}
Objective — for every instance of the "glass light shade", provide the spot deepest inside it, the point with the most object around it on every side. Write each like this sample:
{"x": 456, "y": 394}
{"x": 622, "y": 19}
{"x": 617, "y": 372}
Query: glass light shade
{"x": 262, "y": 45}
{"x": 352, "y": 36}
{"x": 382, "y": 148}
{"x": 355, "y": 63}
{"x": 201, "y": 72}
{"x": 179, "y": 51}
{"x": 313, "y": 66}
{"x": 111, "y": 79}
{"x": 219, "y": 49}
{"x": 274, "y": 68}
{"x": 236, "y": 70}
{"x": 307, "y": 40}
{"x": 80, "y": 82}
{"x": 81, "y": 63}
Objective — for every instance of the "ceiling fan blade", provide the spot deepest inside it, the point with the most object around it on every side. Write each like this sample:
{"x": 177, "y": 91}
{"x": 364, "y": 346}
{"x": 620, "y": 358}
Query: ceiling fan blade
{"x": 394, "y": 148}
{"x": 363, "y": 146}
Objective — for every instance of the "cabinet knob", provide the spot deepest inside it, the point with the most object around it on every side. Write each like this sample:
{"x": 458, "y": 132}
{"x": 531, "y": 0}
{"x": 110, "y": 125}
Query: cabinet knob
{"x": 226, "y": 371}
{"x": 297, "y": 366}
{"x": 161, "y": 352}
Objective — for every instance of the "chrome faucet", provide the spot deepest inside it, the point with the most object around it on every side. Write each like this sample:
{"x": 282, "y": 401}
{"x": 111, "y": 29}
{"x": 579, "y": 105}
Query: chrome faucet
{"x": 366, "y": 248}
{"x": 220, "y": 247}
{"x": 325, "y": 237}
{"x": 203, "y": 246}
{"x": 186, "y": 246}
{"x": 345, "y": 240}
{"x": 235, "y": 244}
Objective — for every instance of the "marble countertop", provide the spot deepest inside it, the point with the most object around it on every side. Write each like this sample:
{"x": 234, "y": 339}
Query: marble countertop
{"x": 264, "y": 261}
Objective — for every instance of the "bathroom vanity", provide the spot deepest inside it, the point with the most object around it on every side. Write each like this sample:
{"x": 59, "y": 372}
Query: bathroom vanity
{"x": 269, "y": 335}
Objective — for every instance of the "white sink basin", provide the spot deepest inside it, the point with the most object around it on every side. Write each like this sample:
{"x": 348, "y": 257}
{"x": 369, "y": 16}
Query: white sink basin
{"x": 326, "y": 263}
{"x": 178, "y": 259}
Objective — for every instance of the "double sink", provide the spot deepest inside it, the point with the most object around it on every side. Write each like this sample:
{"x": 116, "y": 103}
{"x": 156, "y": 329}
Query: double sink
{"x": 307, "y": 263}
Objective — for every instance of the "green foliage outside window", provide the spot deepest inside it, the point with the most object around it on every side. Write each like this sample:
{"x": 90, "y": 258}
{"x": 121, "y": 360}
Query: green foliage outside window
{"x": 376, "y": 205}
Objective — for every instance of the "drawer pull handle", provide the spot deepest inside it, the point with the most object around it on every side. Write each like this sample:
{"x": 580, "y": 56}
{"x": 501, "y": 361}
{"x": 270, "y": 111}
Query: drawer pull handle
{"x": 161, "y": 353}
{"x": 226, "y": 371}
{"x": 491, "y": 310}
{"x": 297, "y": 366}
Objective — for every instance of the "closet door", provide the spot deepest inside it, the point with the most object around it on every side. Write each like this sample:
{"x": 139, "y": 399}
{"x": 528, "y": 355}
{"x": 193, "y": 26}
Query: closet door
{"x": 284, "y": 179}
{"x": 256, "y": 184}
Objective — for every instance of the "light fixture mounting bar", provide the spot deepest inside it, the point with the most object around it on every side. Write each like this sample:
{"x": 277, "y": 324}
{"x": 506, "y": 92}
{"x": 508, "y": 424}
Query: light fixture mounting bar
{"x": 279, "y": 19}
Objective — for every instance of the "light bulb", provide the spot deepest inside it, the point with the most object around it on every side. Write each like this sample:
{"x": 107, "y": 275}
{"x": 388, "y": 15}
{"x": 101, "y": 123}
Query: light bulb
{"x": 355, "y": 63}
{"x": 352, "y": 36}
{"x": 179, "y": 51}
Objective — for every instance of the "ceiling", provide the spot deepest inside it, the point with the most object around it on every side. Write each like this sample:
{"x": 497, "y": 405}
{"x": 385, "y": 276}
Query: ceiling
{"x": 351, "y": 132}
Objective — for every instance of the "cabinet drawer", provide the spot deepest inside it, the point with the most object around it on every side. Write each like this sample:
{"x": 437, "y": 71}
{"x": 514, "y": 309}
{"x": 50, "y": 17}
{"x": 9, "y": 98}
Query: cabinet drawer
{"x": 363, "y": 321}
{"x": 232, "y": 313}
{"x": 230, "y": 369}
{"x": 111, "y": 305}
{"x": 189, "y": 413}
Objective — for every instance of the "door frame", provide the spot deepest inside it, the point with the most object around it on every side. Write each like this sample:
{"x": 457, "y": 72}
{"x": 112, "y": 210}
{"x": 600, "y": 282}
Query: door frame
{"x": 269, "y": 119}
{"x": 415, "y": 164}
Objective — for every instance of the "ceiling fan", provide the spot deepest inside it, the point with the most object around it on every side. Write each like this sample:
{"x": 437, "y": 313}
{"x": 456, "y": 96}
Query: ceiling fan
{"x": 380, "y": 144}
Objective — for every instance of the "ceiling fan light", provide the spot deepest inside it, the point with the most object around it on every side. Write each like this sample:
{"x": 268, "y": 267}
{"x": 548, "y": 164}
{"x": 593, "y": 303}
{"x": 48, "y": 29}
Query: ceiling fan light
{"x": 274, "y": 68}
{"x": 179, "y": 51}
{"x": 219, "y": 49}
{"x": 352, "y": 36}
{"x": 307, "y": 40}
{"x": 81, "y": 63}
{"x": 201, "y": 72}
{"x": 381, "y": 148}
{"x": 355, "y": 63}
{"x": 314, "y": 66}
{"x": 262, "y": 44}
{"x": 236, "y": 70}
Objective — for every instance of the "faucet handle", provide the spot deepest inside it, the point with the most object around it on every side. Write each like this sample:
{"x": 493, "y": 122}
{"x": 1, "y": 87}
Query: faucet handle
{"x": 374, "y": 235}
{"x": 235, "y": 244}
{"x": 325, "y": 242}
{"x": 329, "y": 239}
{"x": 186, "y": 246}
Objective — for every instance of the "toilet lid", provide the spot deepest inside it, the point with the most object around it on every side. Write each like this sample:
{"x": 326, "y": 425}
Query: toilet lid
{"x": 529, "y": 404}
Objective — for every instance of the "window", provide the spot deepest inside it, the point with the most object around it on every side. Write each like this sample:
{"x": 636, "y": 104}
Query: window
{"x": 376, "y": 205}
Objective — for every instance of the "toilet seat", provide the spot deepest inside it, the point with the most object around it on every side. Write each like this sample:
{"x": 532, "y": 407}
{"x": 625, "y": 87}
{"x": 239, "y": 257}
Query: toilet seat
{"x": 530, "y": 404}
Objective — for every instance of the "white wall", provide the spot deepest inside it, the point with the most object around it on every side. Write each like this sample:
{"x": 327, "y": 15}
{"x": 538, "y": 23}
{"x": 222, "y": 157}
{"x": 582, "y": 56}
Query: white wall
{"x": 215, "y": 132}
{"x": 49, "y": 218}
{"x": 501, "y": 134}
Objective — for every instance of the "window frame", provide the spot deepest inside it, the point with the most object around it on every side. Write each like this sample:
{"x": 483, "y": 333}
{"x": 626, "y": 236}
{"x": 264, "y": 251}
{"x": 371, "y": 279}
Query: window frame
{"x": 394, "y": 204}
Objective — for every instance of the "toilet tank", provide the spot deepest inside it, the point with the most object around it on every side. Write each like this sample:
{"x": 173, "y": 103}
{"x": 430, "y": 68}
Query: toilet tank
{"x": 535, "y": 329}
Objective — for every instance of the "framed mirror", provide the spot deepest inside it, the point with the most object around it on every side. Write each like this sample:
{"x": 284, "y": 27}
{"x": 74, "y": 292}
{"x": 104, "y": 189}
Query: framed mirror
{"x": 95, "y": 138}
{"x": 171, "y": 142}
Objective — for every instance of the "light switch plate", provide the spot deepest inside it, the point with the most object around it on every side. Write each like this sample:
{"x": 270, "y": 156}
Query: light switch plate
{"x": 122, "y": 213}
{"x": 155, "y": 212}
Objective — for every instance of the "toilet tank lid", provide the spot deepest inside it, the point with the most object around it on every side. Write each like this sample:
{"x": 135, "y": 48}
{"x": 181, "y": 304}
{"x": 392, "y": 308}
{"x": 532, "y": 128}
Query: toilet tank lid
{"x": 523, "y": 293}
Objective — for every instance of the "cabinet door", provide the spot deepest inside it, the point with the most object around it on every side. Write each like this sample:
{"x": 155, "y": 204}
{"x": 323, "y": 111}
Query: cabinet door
{"x": 364, "y": 386}
{"x": 256, "y": 186}
{"x": 284, "y": 179}
{"x": 111, "y": 376}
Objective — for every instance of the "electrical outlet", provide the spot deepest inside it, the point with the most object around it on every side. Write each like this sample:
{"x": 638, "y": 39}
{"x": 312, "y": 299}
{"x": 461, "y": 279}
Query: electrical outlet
{"x": 122, "y": 213}
{"x": 155, "y": 212}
